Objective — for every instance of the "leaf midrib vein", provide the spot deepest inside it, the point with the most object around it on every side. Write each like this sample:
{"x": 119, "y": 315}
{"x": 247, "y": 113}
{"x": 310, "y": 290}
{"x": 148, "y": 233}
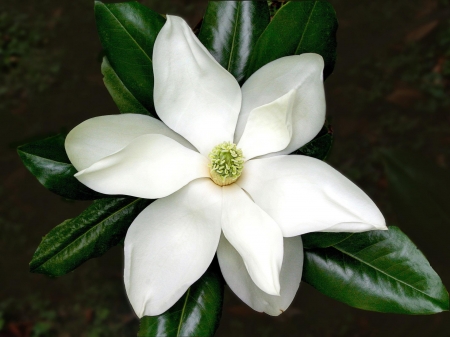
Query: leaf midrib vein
{"x": 90, "y": 229}
{"x": 183, "y": 310}
{"x": 48, "y": 159}
{"x": 131, "y": 37}
{"x": 306, "y": 27}
{"x": 384, "y": 273}
{"x": 234, "y": 35}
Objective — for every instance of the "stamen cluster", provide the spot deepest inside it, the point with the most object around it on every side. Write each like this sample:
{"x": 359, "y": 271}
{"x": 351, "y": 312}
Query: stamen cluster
{"x": 227, "y": 163}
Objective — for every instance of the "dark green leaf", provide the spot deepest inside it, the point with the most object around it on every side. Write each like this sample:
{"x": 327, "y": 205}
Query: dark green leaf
{"x": 100, "y": 227}
{"x": 319, "y": 147}
{"x": 379, "y": 271}
{"x": 127, "y": 32}
{"x": 298, "y": 27}
{"x": 419, "y": 195}
{"x": 230, "y": 30}
{"x": 48, "y": 162}
{"x": 123, "y": 98}
{"x": 323, "y": 240}
{"x": 197, "y": 313}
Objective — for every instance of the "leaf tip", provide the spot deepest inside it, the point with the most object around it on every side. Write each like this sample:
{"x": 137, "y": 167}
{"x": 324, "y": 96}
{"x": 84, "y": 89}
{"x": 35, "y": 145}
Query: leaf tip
{"x": 20, "y": 152}
{"x": 98, "y": 4}
{"x": 32, "y": 267}
{"x": 35, "y": 262}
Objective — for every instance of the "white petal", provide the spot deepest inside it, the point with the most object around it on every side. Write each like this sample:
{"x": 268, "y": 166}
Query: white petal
{"x": 151, "y": 166}
{"x": 99, "y": 137}
{"x": 255, "y": 236}
{"x": 193, "y": 94}
{"x": 302, "y": 73}
{"x": 269, "y": 127}
{"x": 303, "y": 194}
{"x": 238, "y": 279}
{"x": 170, "y": 245}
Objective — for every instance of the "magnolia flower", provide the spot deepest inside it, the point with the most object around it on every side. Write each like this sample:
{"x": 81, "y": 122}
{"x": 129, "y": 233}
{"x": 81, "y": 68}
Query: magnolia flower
{"x": 219, "y": 167}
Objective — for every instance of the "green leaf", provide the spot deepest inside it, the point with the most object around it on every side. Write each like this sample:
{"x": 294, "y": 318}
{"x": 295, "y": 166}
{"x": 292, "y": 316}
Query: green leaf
{"x": 47, "y": 160}
{"x": 197, "y": 313}
{"x": 323, "y": 240}
{"x": 127, "y": 32}
{"x": 100, "y": 227}
{"x": 419, "y": 195}
{"x": 298, "y": 27}
{"x": 319, "y": 147}
{"x": 230, "y": 30}
{"x": 123, "y": 98}
{"x": 379, "y": 271}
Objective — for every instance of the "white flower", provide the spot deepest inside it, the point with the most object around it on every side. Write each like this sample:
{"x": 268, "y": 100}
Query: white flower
{"x": 254, "y": 223}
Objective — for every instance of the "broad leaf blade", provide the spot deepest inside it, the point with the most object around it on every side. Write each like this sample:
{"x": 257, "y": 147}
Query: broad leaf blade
{"x": 127, "y": 32}
{"x": 230, "y": 30}
{"x": 197, "y": 313}
{"x": 323, "y": 240}
{"x": 100, "y": 227}
{"x": 379, "y": 271}
{"x": 124, "y": 99}
{"x": 319, "y": 147}
{"x": 298, "y": 27}
{"x": 47, "y": 160}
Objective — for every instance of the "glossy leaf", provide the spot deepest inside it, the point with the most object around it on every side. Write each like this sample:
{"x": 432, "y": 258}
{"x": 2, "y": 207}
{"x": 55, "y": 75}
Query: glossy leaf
{"x": 319, "y": 147}
{"x": 47, "y": 160}
{"x": 124, "y": 99}
{"x": 298, "y": 27}
{"x": 230, "y": 30}
{"x": 127, "y": 32}
{"x": 100, "y": 227}
{"x": 323, "y": 240}
{"x": 418, "y": 191}
{"x": 379, "y": 271}
{"x": 197, "y": 313}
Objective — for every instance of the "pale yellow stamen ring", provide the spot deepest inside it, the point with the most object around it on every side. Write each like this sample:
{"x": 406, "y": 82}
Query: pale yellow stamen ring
{"x": 226, "y": 163}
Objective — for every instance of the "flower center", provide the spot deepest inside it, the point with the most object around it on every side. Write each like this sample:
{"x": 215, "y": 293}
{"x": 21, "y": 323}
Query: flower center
{"x": 226, "y": 164}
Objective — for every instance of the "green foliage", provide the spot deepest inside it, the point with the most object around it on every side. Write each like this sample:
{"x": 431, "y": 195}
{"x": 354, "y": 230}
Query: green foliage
{"x": 298, "y": 27}
{"x": 124, "y": 99}
{"x": 127, "y": 32}
{"x": 100, "y": 227}
{"x": 230, "y": 30}
{"x": 323, "y": 239}
{"x": 197, "y": 312}
{"x": 379, "y": 271}
{"x": 47, "y": 160}
{"x": 274, "y": 6}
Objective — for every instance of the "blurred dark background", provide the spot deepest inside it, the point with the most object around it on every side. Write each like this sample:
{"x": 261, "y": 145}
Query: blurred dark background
{"x": 388, "y": 102}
